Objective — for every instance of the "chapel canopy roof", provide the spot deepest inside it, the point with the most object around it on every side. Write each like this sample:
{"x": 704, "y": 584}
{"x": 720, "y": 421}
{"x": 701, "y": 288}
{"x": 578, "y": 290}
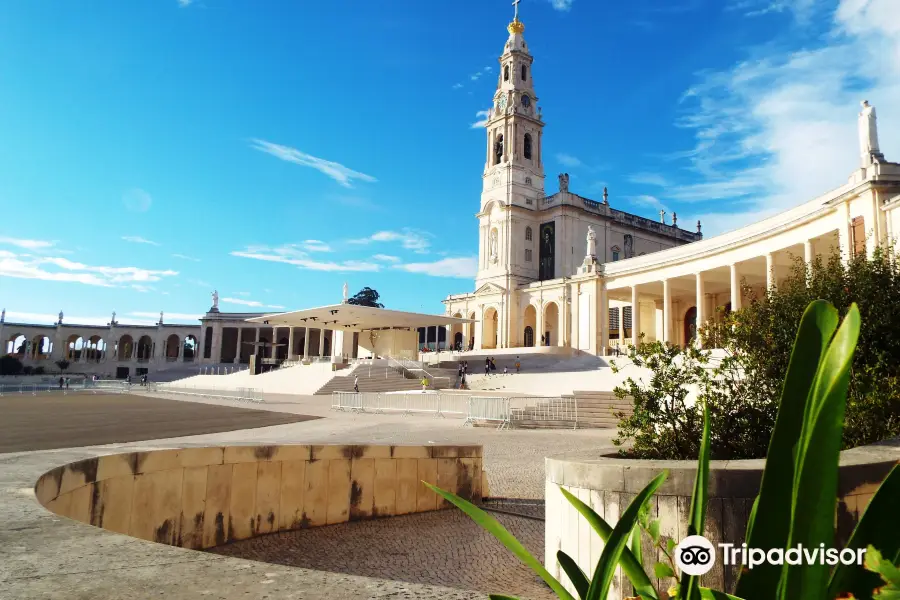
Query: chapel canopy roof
{"x": 356, "y": 318}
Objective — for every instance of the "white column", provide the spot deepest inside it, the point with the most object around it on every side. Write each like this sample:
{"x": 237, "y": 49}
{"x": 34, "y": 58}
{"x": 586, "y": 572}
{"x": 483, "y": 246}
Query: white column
{"x": 290, "y": 352}
{"x": 770, "y": 271}
{"x": 667, "y": 312}
{"x": 701, "y": 312}
{"x": 574, "y": 342}
{"x": 322, "y": 341}
{"x": 808, "y": 254}
{"x": 305, "y": 343}
{"x": 237, "y": 356}
{"x": 539, "y": 325}
{"x": 603, "y": 320}
{"x": 735, "y": 289}
{"x": 843, "y": 227}
{"x": 635, "y": 317}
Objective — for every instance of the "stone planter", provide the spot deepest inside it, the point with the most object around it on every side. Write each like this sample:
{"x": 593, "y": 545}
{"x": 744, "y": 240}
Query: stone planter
{"x": 608, "y": 485}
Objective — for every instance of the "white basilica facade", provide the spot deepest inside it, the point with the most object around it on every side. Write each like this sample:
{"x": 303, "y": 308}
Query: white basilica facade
{"x": 566, "y": 271}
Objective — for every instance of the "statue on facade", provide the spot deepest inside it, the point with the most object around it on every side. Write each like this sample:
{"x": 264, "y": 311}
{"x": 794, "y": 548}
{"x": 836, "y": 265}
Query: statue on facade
{"x": 3, "y": 316}
{"x": 498, "y": 149}
{"x": 215, "y": 299}
{"x": 674, "y": 219}
{"x": 493, "y": 249}
{"x": 605, "y": 196}
{"x": 662, "y": 216}
{"x": 60, "y": 318}
{"x": 113, "y": 320}
{"x": 346, "y": 292}
{"x": 591, "y": 243}
{"x": 564, "y": 182}
{"x": 160, "y": 317}
{"x": 868, "y": 135}
{"x": 629, "y": 245}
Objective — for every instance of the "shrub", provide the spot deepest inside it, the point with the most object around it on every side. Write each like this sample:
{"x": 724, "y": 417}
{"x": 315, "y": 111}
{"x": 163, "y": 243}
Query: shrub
{"x": 39, "y": 371}
{"x": 10, "y": 365}
{"x": 795, "y": 506}
{"x": 27, "y": 370}
{"x": 63, "y": 364}
{"x": 760, "y": 337}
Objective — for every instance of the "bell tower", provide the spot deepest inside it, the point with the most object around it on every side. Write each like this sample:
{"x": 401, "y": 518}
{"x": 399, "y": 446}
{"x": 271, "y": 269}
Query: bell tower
{"x": 513, "y": 172}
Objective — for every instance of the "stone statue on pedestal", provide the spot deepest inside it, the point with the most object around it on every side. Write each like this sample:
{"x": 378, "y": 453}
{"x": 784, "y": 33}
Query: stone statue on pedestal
{"x": 564, "y": 182}
{"x": 160, "y": 317}
{"x": 868, "y": 135}
{"x": 215, "y": 299}
{"x": 60, "y": 318}
{"x": 113, "y": 320}
{"x": 346, "y": 293}
{"x": 3, "y": 316}
{"x": 494, "y": 255}
{"x": 591, "y": 244}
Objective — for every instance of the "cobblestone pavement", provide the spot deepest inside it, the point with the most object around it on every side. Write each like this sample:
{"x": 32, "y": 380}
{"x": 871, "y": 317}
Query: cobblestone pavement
{"x": 443, "y": 548}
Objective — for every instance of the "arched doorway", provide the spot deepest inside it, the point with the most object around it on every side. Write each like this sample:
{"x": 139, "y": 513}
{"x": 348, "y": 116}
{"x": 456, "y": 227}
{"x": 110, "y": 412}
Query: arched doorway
{"x": 144, "y": 348}
{"x": 74, "y": 345}
{"x": 125, "y": 347}
{"x": 471, "y": 330}
{"x": 40, "y": 347}
{"x": 282, "y": 350}
{"x": 172, "y": 344}
{"x": 458, "y": 340}
{"x": 16, "y": 345}
{"x": 690, "y": 325}
{"x": 190, "y": 348}
{"x": 530, "y": 321}
{"x": 456, "y": 333}
{"x": 551, "y": 325}
{"x": 489, "y": 328}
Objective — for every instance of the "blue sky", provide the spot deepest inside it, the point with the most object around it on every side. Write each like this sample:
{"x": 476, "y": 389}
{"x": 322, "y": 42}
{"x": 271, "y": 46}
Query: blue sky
{"x": 154, "y": 150}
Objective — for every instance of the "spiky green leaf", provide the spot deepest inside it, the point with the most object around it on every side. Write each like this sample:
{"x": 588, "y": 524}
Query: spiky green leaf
{"x": 630, "y": 565}
{"x": 770, "y": 517}
{"x": 816, "y": 467}
{"x": 662, "y": 570}
{"x": 492, "y": 526}
{"x": 612, "y": 550}
{"x": 576, "y": 575}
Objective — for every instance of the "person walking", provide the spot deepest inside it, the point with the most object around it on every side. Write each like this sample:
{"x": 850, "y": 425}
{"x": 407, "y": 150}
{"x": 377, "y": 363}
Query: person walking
{"x": 518, "y": 364}
{"x": 424, "y": 384}
{"x": 67, "y": 383}
{"x": 493, "y": 365}
{"x": 487, "y": 366}
{"x": 356, "y": 384}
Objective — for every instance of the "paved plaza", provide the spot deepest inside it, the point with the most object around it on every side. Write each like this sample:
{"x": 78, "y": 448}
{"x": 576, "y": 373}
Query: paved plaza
{"x": 436, "y": 555}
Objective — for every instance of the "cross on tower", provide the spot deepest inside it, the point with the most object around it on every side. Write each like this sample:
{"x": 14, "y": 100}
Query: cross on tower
{"x": 516, "y": 5}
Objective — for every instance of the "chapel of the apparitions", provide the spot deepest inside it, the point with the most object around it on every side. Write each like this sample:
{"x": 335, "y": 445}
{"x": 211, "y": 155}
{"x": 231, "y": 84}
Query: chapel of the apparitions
{"x": 556, "y": 271}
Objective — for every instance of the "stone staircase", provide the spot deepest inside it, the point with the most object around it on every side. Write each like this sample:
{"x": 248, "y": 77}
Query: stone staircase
{"x": 597, "y": 409}
{"x": 381, "y": 379}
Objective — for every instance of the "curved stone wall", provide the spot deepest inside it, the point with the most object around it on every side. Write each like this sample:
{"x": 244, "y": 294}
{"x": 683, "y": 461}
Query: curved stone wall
{"x": 203, "y": 497}
{"x": 608, "y": 485}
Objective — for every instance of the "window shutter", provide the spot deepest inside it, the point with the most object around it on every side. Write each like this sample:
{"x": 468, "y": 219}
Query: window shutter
{"x": 858, "y": 233}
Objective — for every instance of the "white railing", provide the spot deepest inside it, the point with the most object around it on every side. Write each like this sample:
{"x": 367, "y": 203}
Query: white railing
{"x": 222, "y": 370}
{"x": 73, "y": 386}
{"x": 411, "y": 369}
{"x": 242, "y": 394}
{"x": 489, "y": 409}
{"x": 547, "y": 410}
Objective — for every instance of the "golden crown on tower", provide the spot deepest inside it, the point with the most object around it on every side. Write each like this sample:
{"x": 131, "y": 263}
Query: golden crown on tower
{"x": 516, "y": 26}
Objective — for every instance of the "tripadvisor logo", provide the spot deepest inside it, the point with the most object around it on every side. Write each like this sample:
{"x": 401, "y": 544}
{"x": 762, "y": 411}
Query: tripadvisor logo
{"x": 696, "y": 555}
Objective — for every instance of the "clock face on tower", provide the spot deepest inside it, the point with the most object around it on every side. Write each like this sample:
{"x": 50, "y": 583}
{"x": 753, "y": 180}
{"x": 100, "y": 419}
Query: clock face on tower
{"x": 526, "y": 101}
{"x": 502, "y": 103}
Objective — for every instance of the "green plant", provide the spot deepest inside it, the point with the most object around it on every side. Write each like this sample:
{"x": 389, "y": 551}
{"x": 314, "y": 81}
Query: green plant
{"x": 796, "y": 503}
{"x": 63, "y": 364}
{"x": 39, "y": 370}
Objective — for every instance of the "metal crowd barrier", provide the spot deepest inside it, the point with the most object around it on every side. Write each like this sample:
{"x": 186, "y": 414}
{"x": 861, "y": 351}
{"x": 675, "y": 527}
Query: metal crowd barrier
{"x": 489, "y": 409}
{"x": 243, "y": 394}
{"x": 7, "y": 389}
{"x": 547, "y": 409}
{"x": 472, "y": 408}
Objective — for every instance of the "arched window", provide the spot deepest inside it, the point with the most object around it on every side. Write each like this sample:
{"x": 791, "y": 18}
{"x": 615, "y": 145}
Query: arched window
{"x": 498, "y": 149}
{"x": 615, "y": 252}
{"x": 506, "y": 73}
{"x": 528, "y": 181}
{"x": 524, "y": 72}
{"x": 528, "y": 146}
{"x": 528, "y": 234}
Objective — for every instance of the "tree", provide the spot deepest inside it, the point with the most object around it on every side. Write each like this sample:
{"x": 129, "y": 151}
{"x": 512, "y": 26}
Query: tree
{"x": 62, "y": 364}
{"x": 760, "y": 336}
{"x": 10, "y": 365}
{"x": 366, "y": 297}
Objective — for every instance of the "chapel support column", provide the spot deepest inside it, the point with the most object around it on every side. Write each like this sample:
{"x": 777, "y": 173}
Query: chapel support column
{"x": 321, "y": 341}
{"x": 306, "y": 343}
{"x": 843, "y": 227}
{"x": 603, "y": 320}
{"x": 290, "y": 352}
{"x": 701, "y": 309}
{"x": 808, "y": 254}
{"x": 635, "y": 317}
{"x": 667, "y": 312}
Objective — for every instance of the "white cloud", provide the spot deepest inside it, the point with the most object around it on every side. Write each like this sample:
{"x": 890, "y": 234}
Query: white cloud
{"x": 457, "y": 86}
{"x": 336, "y": 171}
{"x": 649, "y": 179}
{"x": 488, "y": 69}
{"x": 386, "y": 258}
{"x": 446, "y": 267}
{"x": 316, "y": 246}
{"x": 779, "y": 128}
{"x": 185, "y": 257}
{"x": 26, "y": 244}
{"x": 245, "y": 294}
{"x": 292, "y": 254}
{"x": 136, "y": 239}
{"x": 185, "y": 3}
{"x": 26, "y": 266}
{"x": 251, "y": 303}
{"x": 167, "y": 317}
{"x": 137, "y": 200}
{"x": 482, "y": 119}
{"x": 563, "y": 5}
{"x": 475, "y": 76}
{"x": 410, "y": 239}
{"x": 567, "y": 160}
